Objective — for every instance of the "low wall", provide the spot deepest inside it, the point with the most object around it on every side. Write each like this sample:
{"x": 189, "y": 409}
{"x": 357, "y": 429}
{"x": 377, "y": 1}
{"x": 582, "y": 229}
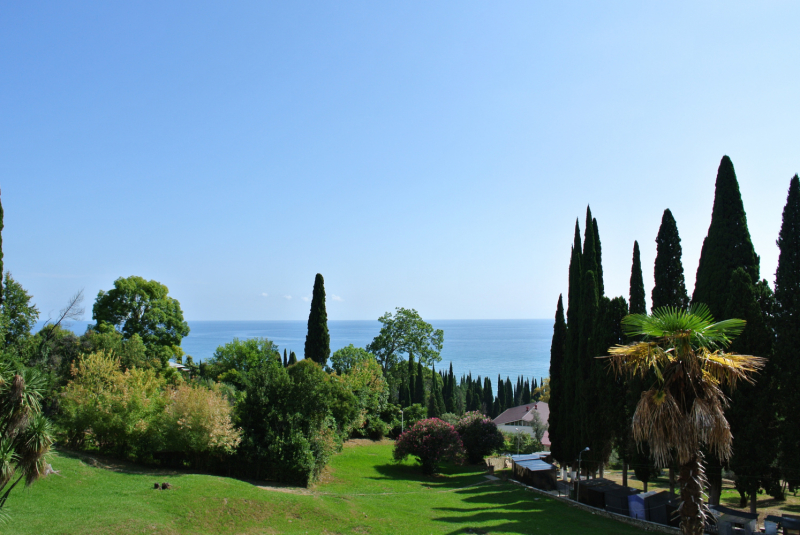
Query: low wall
{"x": 644, "y": 524}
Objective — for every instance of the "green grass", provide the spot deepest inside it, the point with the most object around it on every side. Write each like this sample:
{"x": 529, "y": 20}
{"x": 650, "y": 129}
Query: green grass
{"x": 362, "y": 491}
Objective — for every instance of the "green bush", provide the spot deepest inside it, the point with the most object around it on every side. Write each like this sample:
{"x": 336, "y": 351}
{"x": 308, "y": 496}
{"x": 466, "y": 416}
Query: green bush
{"x": 479, "y": 435}
{"x": 522, "y": 442}
{"x": 431, "y": 441}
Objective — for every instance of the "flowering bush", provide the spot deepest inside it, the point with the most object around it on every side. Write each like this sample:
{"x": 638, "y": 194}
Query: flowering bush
{"x": 480, "y": 436}
{"x": 431, "y": 441}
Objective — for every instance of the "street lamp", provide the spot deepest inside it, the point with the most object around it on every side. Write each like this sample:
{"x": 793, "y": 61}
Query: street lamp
{"x": 579, "y": 462}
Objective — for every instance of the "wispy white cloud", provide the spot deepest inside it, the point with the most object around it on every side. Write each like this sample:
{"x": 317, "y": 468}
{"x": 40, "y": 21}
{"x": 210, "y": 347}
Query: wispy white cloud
{"x": 306, "y": 299}
{"x": 287, "y": 296}
{"x": 265, "y": 294}
{"x": 336, "y": 297}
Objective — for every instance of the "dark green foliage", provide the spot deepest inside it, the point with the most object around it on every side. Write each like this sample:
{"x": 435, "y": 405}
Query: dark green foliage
{"x": 636, "y": 298}
{"x": 751, "y": 414}
{"x": 787, "y": 331}
{"x": 590, "y": 311}
{"x": 526, "y": 393}
{"x": 412, "y": 380}
{"x": 285, "y": 358}
{"x": 318, "y": 340}
{"x": 435, "y": 401}
{"x": 419, "y": 385}
{"x": 589, "y": 257}
{"x": 670, "y": 287}
{"x": 598, "y": 249}
{"x": 501, "y": 395}
{"x": 509, "y": 394}
{"x": 479, "y": 435}
{"x": 727, "y": 245}
{"x": 291, "y": 418}
{"x": 404, "y": 333}
{"x": 292, "y": 358}
{"x": 488, "y": 397}
{"x": 233, "y": 362}
{"x": 18, "y": 315}
{"x": 558, "y": 417}
{"x": 137, "y": 306}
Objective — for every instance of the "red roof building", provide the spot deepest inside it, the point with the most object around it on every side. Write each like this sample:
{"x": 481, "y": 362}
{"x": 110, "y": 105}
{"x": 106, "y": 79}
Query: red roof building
{"x": 522, "y": 417}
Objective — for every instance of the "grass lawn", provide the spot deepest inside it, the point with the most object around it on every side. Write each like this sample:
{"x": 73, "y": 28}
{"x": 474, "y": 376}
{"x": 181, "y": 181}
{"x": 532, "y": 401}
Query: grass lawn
{"x": 362, "y": 491}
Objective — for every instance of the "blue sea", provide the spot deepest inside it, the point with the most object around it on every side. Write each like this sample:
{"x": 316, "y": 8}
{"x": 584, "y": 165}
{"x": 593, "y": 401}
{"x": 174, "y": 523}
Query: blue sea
{"x": 482, "y": 347}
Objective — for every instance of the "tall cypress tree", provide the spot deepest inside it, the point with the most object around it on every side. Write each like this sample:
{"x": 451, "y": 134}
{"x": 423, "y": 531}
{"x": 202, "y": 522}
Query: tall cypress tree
{"x": 509, "y": 393}
{"x": 589, "y": 257}
{"x": 435, "y": 402}
{"x": 412, "y": 380}
{"x": 787, "y": 333}
{"x": 598, "y": 249}
{"x": 285, "y": 358}
{"x": 586, "y": 354}
{"x": 636, "y": 299}
{"x": 318, "y": 341}
{"x": 751, "y": 413}
{"x": 526, "y": 393}
{"x": 501, "y": 395}
{"x": 569, "y": 366}
{"x": 419, "y": 385}
{"x": 727, "y": 245}
{"x": 558, "y": 418}
{"x": 292, "y": 358}
{"x": 670, "y": 287}
{"x": 488, "y": 397}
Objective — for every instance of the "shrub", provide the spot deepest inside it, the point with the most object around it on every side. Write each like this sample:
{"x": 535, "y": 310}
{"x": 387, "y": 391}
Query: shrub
{"x": 431, "y": 441}
{"x": 365, "y": 380}
{"x": 480, "y": 436}
{"x": 522, "y": 442}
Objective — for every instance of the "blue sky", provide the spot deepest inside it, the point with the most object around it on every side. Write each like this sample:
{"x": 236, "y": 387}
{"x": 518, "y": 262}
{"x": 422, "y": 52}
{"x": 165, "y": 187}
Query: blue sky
{"x": 431, "y": 155}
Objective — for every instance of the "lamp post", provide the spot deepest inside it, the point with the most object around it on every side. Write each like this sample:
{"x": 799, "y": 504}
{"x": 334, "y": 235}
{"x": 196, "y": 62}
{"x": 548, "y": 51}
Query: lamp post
{"x": 579, "y": 462}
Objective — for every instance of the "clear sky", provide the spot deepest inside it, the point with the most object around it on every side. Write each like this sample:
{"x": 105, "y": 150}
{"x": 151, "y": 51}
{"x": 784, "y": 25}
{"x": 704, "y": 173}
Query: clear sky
{"x": 431, "y": 155}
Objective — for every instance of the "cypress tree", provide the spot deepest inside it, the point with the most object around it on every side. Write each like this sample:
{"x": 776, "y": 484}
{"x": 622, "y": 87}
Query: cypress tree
{"x": 586, "y": 354}
{"x": 526, "y": 393}
{"x": 450, "y": 399}
{"x": 419, "y": 386}
{"x": 488, "y": 398}
{"x": 412, "y": 380}
{"x": 569, "y": 365}
{"x": 636, "y": 302}
{"x": 509, "y": 394}
{"x": 285, "y": 358}
{"x": 318, "y": 341}
{"x": 670, "y": 287}
{"x": 727, "y": 245}
{"x": 599, "y": 256}
{"x": 478, "y": 394}
{"x": 435, "y": 403}
{"x": 787, "y": 333}
{"x": 292, "y": 358}
{"x": 558, "y": 418}
{"x": 589, "y": 257}
{"x": 501, "y": 395}
{"x": 751, "y": 414}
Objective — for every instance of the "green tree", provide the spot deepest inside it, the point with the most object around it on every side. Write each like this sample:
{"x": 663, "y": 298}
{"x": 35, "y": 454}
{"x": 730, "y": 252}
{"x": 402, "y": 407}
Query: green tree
{"x": 17, "y": 314}
{"x": 292, "y": 359}
{"x": 683, "y": 410}
{"x": 787, "y": 334}
{"x": 558, "y": 419}
{"x": 419, "y": 386}
{"x": 727, "y": 245}
{"x": 598, "y": 249}
{"x": 345, "y": 358}
{"x": 636, "y": 298}
{"x": 405, "y": 333}
{"x": 435, "y": 401}
{"x": 318, "y": 340}
{"x": 670, "y": 287}
{"x": 234, "y": 361}
{"x": 137, "y": 306}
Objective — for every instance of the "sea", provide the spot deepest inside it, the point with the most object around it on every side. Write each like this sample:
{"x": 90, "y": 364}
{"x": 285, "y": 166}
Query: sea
{"x": 508, "y": 348}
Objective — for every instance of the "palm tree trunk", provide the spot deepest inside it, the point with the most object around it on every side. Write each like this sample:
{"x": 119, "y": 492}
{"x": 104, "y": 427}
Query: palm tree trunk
{"x": 691, "y": 480}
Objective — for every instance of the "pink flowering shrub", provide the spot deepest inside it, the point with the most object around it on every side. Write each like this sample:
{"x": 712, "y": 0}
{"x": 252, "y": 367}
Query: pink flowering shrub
{"x": 431, "y": 441}
{"x": 479, "y": 435}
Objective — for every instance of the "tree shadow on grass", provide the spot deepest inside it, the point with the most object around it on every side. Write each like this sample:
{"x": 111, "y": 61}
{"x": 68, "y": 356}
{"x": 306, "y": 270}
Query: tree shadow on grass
{"x": 449, "y": 477}
{"x": 503, "y": 508}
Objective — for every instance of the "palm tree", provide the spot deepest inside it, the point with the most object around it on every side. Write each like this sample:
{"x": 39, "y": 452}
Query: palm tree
{"x": 684, "y": 408}
{"x": 25, "y": 434}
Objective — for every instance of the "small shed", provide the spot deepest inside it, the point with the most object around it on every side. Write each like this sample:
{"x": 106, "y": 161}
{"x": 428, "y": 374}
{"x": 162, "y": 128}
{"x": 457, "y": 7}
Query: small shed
{"x": 790, "y": 525}
{"x": 733, "y": 522}
{"x": 617, "y": 499}
{"x": 532, "y": 470}
{"x": 656, "y": 507}
{"x": 593, "y": 491}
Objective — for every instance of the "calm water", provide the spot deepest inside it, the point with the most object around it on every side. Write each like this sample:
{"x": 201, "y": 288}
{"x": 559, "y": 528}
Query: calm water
{"x": 483, "y": 347}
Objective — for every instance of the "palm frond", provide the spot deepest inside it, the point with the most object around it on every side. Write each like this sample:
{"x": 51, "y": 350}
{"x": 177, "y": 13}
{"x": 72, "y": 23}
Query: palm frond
{"x": 729, "y": 368}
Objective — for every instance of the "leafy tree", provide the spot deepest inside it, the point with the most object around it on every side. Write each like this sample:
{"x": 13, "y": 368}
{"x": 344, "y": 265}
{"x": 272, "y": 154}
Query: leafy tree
{"x": 365, "y": 380}
{"x": 432, "y": 442}
{"x": 137, "y": 306}
{"x": 683, "y": 410}
{"x": 17, "y": 314}
{"x": 345, "y": 358}
{"x": 480, "y": 436}
{"x": 232, "y": 362}
{"x": 25, "y": 434}
{"x": 670, "y": 288}
{"x": 405, "y": 333}
{"x": 318, "y": 340}
{"x": 787, "y": 334}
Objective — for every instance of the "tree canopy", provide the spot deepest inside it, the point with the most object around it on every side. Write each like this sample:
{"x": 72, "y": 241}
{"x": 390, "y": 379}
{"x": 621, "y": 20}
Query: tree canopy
{"x": 404, "y": 333}
{"x": 138, "y": 306}
{"x": 318, "y": 340}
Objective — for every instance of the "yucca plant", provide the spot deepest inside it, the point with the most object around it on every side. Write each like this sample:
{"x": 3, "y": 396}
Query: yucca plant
{"x": 683, "y": 410}
{"x": 25, "y": 434}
